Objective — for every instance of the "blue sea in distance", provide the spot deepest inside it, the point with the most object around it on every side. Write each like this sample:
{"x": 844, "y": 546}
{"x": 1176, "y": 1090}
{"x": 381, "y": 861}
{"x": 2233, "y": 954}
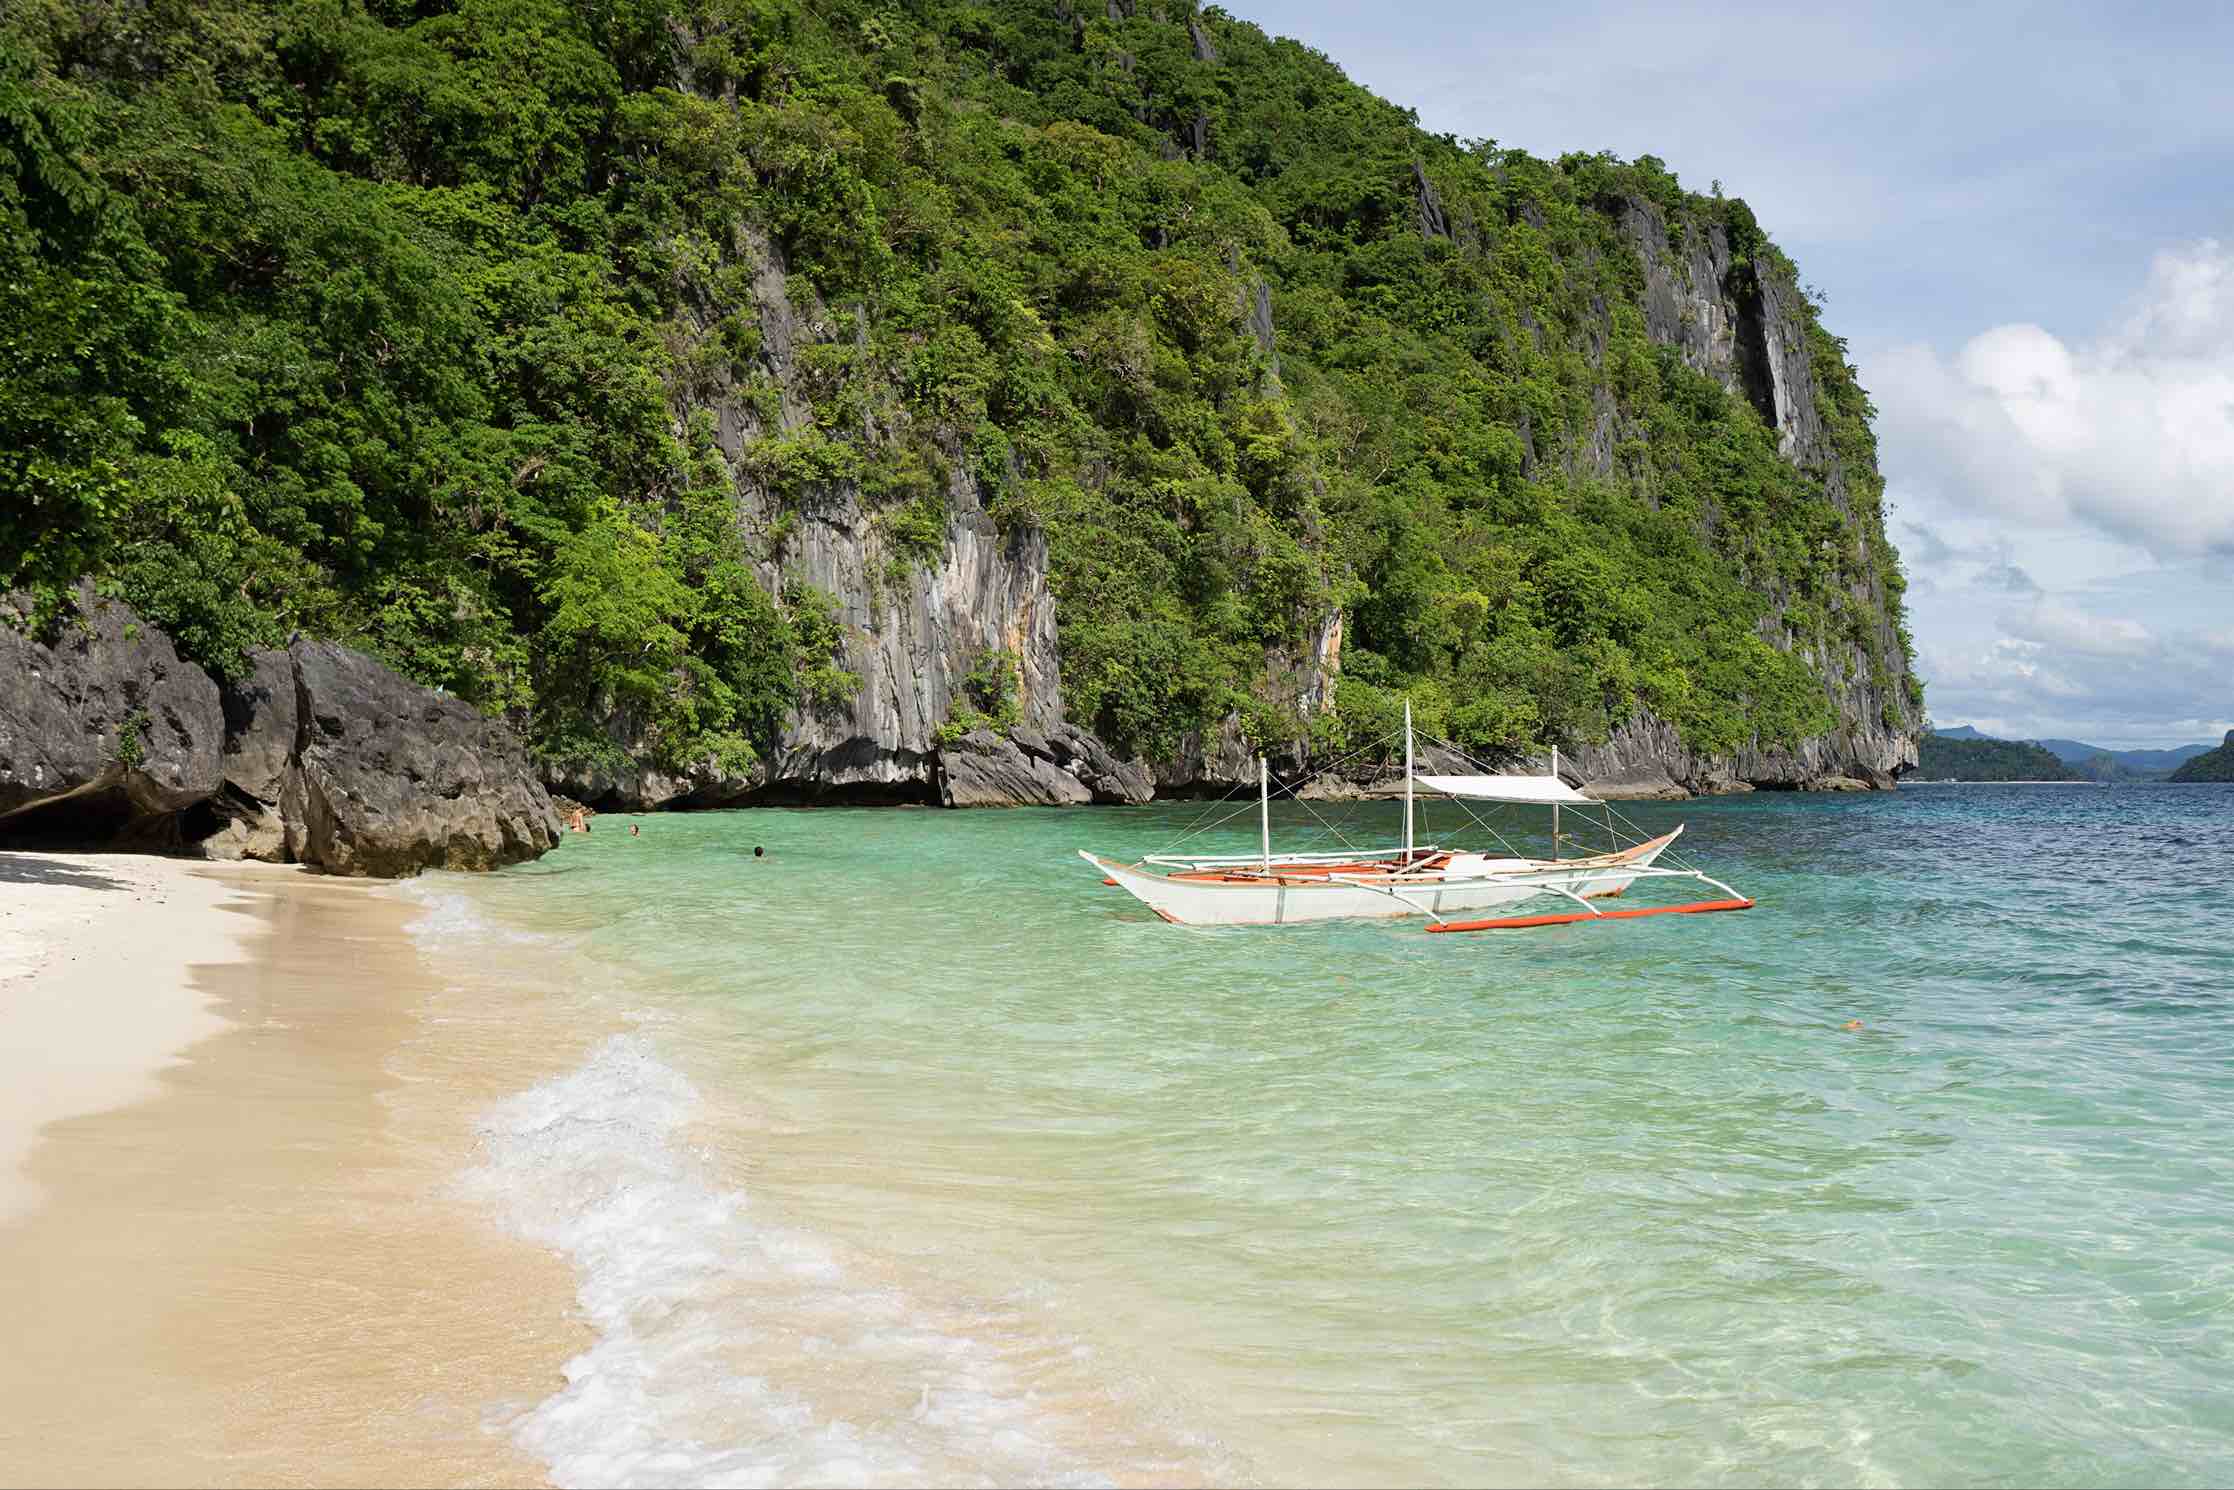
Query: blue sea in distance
{"x": 915, "y": 1154}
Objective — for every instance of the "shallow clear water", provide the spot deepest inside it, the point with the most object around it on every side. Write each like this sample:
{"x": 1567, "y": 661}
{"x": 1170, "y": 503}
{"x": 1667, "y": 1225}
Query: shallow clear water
{"x": 929, "y": 1157}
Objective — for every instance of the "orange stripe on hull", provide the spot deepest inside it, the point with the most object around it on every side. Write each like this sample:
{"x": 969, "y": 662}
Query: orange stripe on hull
{"x": 1511, "y": 923}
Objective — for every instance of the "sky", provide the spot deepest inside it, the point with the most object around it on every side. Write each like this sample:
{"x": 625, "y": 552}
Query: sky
{"x": 2019, "y": 216}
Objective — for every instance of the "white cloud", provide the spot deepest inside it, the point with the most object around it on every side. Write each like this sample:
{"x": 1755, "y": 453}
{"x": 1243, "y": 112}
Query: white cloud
{"x": 2130, "y": 433}
{"x": 2052, "y": 668}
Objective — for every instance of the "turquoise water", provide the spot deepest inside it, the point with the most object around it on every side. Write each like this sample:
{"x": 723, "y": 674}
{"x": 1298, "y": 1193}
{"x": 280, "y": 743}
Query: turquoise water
{"x": 925, "y": 1156}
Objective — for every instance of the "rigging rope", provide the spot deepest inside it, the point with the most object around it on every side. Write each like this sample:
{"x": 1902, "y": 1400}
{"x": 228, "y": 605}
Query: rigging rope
{"x": 1291, "y": 790}
{"x": 1199, "y": 827}
{"x": 1636, "y": 830}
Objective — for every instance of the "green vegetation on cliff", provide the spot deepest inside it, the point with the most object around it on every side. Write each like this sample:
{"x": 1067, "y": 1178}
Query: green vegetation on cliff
{"x": 2212, "y": 765}
{"x": 429, "y": 325}
{"x": 1941, "y": 758}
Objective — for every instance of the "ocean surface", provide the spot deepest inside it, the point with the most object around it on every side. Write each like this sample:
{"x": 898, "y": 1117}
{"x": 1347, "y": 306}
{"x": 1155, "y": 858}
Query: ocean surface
{"x": 910, "y": 1152}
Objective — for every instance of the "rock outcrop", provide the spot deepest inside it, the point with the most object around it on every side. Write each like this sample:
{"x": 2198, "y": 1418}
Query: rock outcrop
{"x": 315, "y": 755}
{"x": 626, "y": 778}
{"x": 914, "y": 628}
{"x": 105, "y": 732}
{"x": 1645, "y": 754}
{"x": 260, "y": 740}
{"x": 1066, "y": 767}
{"x": 389, "y": 778}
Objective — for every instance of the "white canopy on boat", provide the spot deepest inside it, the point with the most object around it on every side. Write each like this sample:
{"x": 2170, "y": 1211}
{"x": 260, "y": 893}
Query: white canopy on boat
{"x": 1544, "y": 791}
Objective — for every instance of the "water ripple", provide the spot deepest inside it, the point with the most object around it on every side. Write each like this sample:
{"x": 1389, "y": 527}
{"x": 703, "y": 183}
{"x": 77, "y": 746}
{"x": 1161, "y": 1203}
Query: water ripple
{"x": 1586, "y": 1205}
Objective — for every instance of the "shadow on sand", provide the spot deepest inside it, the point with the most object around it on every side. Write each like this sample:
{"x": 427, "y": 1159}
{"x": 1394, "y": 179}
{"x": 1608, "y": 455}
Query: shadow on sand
{"x": 38, "y": 869}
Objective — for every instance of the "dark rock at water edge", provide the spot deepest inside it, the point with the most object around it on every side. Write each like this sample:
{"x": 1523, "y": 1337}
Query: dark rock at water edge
{"x": 316, "y": 755}
{"x": 622, "y": 776}
{"x": 105, "y": 725}
{"x": 260, "y": 742}
{"x": 1644, "y": 752}
{"x": 1063, "y": 767}
{"x": 389, "y": 778}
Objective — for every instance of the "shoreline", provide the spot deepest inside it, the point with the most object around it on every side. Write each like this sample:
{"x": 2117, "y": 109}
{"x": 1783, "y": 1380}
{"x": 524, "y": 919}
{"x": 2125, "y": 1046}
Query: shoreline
{"x": 2027, "y": 782}
{"x": 241, "y": 1249}
{"x": 97, "y": 1010}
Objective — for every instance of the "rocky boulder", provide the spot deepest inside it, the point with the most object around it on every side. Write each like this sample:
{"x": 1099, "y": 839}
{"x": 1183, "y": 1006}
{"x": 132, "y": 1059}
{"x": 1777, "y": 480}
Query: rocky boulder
{"x": 984, "y": 769}
{"x": 1642, "y": 785}
{"x": 1858, "y": 756}
{"x": 315, "y": 755}
{"x": 388, "y": 778}
{"x": 1063, "y": 767}
{"x": 1112, "y": 781}
{"x": 260, "y": 740}
{"x": 105, "y": 732}
{"x": 619, "y": 772}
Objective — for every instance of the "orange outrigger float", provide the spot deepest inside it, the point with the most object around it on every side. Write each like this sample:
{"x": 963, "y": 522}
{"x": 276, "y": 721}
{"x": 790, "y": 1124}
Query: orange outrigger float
{"x": 1515, "y": 923}
{"x": 1412, "y": 879}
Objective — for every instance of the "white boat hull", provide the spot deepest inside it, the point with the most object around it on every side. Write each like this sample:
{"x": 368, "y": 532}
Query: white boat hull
{"x": 1252, "y": 898}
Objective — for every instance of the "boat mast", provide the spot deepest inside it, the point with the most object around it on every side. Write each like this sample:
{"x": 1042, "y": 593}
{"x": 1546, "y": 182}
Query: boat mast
{"x": 1555, "y": 807}
{"x": 1407, "y": 781}
{"x": 1264, "y": 811}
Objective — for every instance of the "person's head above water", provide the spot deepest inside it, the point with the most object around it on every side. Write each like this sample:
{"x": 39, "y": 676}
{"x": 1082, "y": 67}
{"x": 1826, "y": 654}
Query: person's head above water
{"x": 757, "y": 851}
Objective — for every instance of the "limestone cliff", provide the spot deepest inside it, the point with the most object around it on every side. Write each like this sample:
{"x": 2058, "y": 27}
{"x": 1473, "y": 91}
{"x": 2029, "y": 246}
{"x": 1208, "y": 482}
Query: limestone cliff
{"x": 1741, "y": 325}
{"x": 914, "y": 629}
{"x": 916, "y": 621}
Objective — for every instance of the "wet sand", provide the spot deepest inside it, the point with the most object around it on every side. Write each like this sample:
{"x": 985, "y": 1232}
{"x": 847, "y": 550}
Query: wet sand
{"x": 265, "y": 1272}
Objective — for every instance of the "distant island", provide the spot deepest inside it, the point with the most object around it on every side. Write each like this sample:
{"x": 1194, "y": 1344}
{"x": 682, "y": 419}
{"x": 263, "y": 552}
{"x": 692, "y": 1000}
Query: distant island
{"x": 1975, "y": 757}
{"x": 2212, "y": 765}
{"x": 2090, "y": 762}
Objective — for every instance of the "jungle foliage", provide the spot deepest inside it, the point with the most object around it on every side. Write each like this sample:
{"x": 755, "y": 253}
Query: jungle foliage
{"x": 399, "y": 321}
{"x": 2211, "y": 765}
{"x": 1941, "y": 758}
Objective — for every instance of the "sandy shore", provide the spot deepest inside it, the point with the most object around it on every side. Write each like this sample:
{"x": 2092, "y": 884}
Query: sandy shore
{"x": 96, "y": 991}
{"x": 234, "y": 1106}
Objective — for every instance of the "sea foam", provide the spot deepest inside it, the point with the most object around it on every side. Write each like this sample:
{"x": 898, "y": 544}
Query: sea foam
{"x": 734, "y": 1350}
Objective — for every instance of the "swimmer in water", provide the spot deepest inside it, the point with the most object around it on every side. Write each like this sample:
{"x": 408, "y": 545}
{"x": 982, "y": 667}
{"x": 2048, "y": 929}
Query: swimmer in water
{"x": 758, "y": 851}
{"x": 635, "y": 831}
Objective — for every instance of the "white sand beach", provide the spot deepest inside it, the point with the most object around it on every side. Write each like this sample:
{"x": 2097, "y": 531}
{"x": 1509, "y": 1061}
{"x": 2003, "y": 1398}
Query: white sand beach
{"x": 96, "y": 989}
{"x": 234, "y": 1108}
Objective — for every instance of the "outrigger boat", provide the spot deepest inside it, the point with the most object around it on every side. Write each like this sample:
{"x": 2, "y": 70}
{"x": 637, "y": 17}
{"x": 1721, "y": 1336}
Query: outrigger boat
{"x": 1411, "y": 879}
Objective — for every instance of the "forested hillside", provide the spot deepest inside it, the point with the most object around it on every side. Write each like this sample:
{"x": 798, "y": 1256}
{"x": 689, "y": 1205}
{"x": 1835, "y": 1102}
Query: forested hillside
{"x": 709, "y": 380}
{"x": 1948, "y": 758}
{"x": 2212, "y": 765}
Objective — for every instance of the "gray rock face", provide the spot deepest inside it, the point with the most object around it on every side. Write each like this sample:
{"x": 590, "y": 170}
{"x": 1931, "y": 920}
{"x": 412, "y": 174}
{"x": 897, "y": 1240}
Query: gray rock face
{"x": 260, "y": 744}
{"x": 1434, "y": 222}
{"x": 317, "y": 755}
{"x": 1646, "y": 749}
{"x": 261, "y": 725}
{"x": 625, "y": 778}
{"x": 1112, "y": 781}
{"x": 913, "y": 631}
{"x": 391, "y": 778}
{"x": 1204, "y": 49}
{"x": 984, "y": 770}
{"x": 1065, "y": 767}
{"x": 1647, "y": 785}
{"x": 105, "y": 732}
